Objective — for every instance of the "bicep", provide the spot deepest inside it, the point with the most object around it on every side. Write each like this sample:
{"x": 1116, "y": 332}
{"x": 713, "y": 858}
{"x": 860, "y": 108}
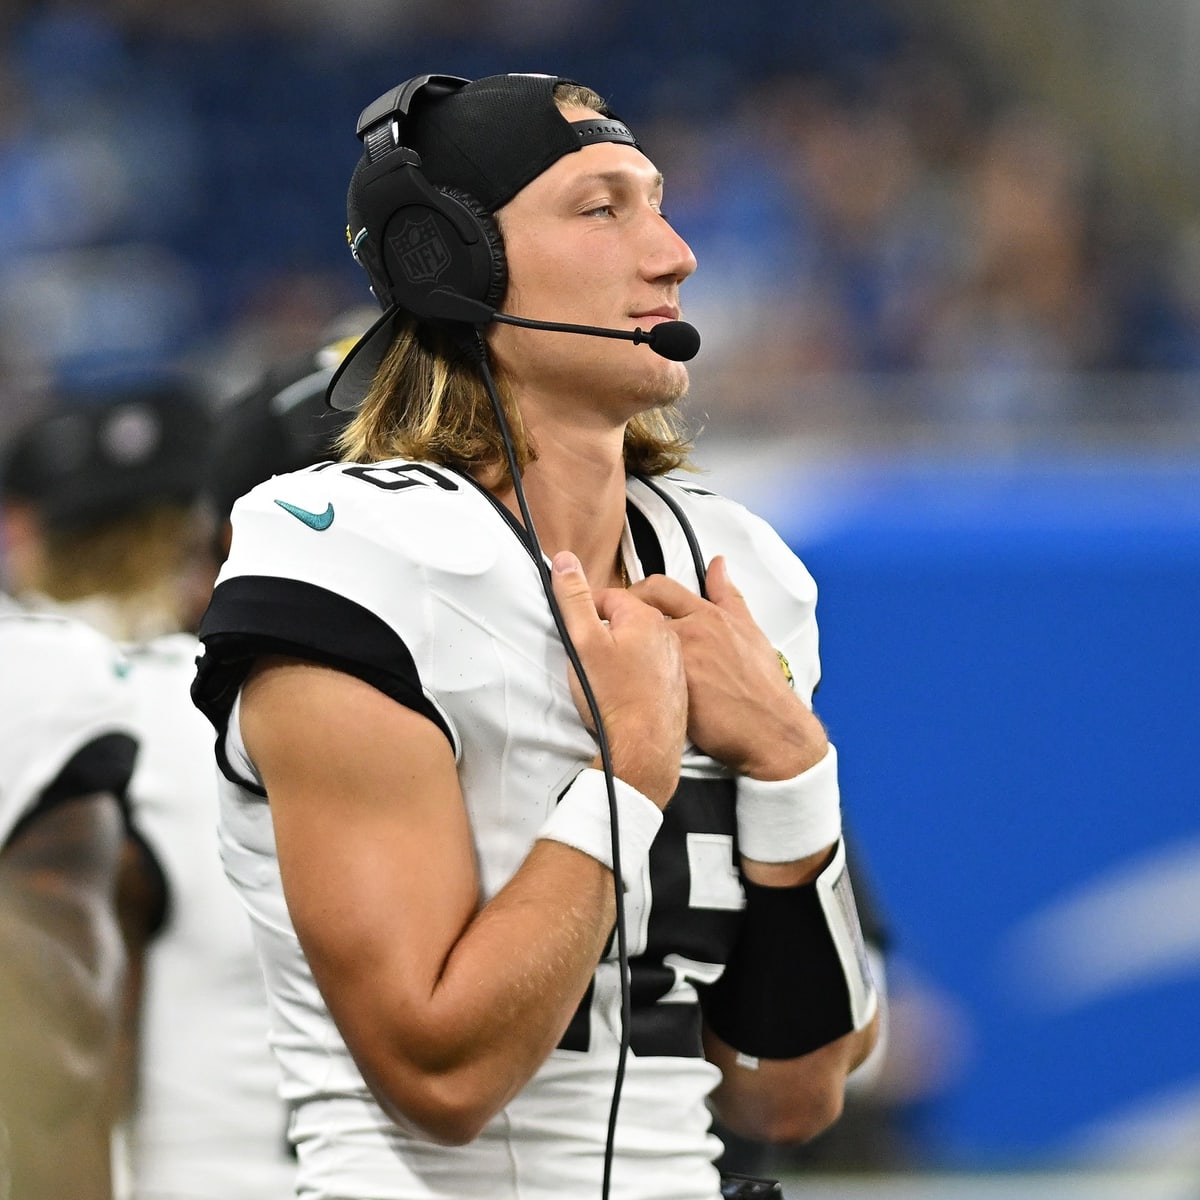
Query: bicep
{"x": 374, "y": 845}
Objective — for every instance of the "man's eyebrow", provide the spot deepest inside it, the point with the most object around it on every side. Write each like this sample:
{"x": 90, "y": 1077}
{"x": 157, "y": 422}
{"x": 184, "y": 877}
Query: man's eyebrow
{"x": 617, "y": 176}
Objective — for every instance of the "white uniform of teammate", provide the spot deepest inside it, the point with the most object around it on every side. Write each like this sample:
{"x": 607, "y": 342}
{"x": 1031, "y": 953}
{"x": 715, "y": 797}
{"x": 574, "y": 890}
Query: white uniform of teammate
{"x": 209, "y": 1122}
{"x": 415, "y": 579}
{"x": 64, "y": 703}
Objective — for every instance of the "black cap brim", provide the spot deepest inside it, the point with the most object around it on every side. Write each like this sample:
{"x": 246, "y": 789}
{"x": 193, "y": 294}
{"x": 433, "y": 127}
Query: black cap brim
{"x": 356, "y": 371}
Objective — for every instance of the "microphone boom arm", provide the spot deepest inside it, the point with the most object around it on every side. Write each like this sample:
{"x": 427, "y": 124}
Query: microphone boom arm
{"x": 676, "y": 340}
{"x": 637, "y": 336}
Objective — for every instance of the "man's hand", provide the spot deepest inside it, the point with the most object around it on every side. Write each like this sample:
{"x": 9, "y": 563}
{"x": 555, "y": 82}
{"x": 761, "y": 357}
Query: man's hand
{"x": 634, "y": 664}
{"x": 741, "y": 708}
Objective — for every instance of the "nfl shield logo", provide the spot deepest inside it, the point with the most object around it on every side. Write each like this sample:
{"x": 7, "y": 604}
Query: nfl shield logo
{"x": 422, "y": 253}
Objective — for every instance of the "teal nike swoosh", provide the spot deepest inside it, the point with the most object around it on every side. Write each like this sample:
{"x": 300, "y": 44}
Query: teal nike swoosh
{"x": 318, "y": 521}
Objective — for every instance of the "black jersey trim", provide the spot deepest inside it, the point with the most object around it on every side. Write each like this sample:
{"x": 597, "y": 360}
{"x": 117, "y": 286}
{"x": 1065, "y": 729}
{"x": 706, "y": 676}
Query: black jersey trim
{"x": 253, "y": 615}
{"x": 105, "y": 764}
{"x": 645, "y": 541}
{"x": 685, "y": 525}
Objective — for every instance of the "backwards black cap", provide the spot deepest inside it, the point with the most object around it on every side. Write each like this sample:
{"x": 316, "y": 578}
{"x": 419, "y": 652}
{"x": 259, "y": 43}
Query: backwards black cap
{"x": 95, "y": 458}
{"x": 460, "y": 149}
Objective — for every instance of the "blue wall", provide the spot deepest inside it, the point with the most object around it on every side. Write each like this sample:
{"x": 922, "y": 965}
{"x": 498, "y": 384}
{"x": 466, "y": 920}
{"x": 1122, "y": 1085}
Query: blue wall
{"x": 1012, "y": 674}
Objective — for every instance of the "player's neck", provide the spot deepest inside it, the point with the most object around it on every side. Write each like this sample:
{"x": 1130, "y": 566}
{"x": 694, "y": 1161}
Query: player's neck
{"x": 576, "y": 496}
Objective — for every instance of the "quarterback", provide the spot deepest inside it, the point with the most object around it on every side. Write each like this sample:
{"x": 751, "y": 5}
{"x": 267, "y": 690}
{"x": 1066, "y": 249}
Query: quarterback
{"x": 541, "y": 846}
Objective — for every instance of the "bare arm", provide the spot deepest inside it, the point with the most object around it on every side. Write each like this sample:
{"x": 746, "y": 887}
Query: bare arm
{"x": 743, "y": 712}
{"x": 60, "y": 976}
{"x": 786, "y": 1100}
{"x": 448, "y": 1007}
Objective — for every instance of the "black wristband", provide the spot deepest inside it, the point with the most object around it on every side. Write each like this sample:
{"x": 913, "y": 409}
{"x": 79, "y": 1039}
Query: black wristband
{"x": 798, "y": 977}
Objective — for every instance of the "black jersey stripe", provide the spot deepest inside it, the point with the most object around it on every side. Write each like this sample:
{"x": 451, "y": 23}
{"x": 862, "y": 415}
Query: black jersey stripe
{"x": 253, "y": 615}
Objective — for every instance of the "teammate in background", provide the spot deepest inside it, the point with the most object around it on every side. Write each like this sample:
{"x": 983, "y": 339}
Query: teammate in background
{"x": 209, "y": 1121}
{"x": 439, "y": 906}
{"x": 66, "y": 753}
{"x": 98, "y": 505}
{"x": 204, "y": 1116}
{"x": 99, "y": 511}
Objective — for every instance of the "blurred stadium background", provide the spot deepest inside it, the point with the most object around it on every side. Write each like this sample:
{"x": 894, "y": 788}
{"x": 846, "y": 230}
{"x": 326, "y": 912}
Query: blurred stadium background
{"x": 950, "y": 301}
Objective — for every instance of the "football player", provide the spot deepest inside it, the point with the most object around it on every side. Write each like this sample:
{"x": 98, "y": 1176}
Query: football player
{"x": 100, "y": 493}
{"x": 522, "y": 784}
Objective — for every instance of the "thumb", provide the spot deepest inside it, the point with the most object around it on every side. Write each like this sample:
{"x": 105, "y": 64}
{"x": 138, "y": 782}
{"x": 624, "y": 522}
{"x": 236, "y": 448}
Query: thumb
{"x": 720, "y": 588}
{"x": 572, "y": 592}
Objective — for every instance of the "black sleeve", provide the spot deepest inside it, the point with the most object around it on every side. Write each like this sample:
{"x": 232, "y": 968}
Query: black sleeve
{"x": 253, "y": 615}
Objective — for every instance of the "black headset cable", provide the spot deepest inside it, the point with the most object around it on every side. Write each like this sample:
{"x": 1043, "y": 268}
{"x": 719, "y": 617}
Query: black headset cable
{"x": 602, "y": 741}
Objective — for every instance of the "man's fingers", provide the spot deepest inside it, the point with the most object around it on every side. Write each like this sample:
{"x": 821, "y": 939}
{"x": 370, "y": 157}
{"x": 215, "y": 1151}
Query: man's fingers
{"x": 672, "y": 599}
{"x": 617, "y": 604}
{"x": 584, "y": 610}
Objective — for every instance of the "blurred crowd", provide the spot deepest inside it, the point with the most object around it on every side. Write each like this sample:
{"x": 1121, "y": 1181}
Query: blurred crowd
{"x": 867, "y": 206}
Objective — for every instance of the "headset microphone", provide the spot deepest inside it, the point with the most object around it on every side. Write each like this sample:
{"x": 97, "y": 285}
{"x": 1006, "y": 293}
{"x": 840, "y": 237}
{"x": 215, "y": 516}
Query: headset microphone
{"x": 676, "y": 340}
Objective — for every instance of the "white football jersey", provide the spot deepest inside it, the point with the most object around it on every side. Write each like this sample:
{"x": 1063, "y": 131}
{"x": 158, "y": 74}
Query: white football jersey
{"x": 65, "y": 707}
{"x": 210, "y": 1120}
{"x": 415, "y": 579}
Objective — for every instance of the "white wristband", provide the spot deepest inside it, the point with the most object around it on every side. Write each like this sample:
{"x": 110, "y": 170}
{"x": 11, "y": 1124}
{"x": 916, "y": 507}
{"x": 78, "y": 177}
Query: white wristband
{"x": 581, "y": 819}
{"x": 786, "y": 819}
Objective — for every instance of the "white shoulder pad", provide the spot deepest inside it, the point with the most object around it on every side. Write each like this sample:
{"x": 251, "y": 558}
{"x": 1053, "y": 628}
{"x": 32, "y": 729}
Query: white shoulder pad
{"x": 370, "y": 532}
{"x": 62, "y": 686}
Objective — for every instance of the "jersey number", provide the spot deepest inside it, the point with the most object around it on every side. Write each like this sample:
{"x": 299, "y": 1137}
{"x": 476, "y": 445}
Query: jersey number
{"x": 393, "y": 479}
{"x": 681, "y": 933}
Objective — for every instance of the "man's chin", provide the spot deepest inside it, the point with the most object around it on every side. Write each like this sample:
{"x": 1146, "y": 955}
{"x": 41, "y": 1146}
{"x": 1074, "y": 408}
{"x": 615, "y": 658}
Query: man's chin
{"x": 665, "y": 390}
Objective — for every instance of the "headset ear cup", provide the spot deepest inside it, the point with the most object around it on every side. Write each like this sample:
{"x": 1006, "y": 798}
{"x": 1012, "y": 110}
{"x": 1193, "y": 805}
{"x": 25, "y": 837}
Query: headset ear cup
{"x": 492, "y": 290}
{"x": 437, "y": 245}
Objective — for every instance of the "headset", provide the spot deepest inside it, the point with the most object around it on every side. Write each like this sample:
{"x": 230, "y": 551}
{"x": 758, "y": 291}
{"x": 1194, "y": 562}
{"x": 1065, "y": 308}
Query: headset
{"x": 435, "y": 252}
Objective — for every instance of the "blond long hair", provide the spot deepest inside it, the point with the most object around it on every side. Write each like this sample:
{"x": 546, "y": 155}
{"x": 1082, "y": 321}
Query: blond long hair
{"x": 135, "y": 576}
{"x": 428, "y": 401}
